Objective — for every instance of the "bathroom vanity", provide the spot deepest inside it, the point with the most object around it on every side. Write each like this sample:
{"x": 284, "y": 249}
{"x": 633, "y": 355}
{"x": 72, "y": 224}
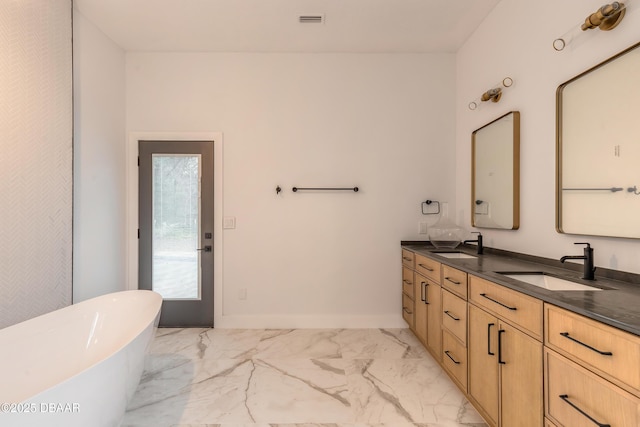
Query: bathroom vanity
{"x": 526, "y": 340}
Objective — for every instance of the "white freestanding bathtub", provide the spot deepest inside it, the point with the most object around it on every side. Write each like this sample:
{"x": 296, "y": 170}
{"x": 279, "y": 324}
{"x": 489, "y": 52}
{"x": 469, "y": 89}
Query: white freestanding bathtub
{"x": 77, "y": 366}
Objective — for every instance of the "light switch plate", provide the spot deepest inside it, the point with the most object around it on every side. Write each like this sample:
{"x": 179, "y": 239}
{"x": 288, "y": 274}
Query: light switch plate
{"x": 229, "y": 222}
{"x": 422, "y": 228}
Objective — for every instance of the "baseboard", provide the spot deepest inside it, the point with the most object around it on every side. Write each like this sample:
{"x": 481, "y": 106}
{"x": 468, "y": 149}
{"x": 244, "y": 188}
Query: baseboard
{"x": 391, "y": 321}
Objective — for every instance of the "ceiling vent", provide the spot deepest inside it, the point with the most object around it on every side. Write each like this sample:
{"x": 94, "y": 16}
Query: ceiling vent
{"x": 311, "y": 19}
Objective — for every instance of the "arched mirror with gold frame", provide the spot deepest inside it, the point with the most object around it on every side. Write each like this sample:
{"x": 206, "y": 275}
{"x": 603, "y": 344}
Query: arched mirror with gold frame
{"x": 495, "y": 173}
{"x": 598, "y": 149}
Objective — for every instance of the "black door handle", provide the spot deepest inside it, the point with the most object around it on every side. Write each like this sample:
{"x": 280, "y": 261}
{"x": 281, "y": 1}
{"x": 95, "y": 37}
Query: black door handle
{"x": 500, "y": 361}
{"x": 206, "y": 249}
{"x": 489, "y": 325}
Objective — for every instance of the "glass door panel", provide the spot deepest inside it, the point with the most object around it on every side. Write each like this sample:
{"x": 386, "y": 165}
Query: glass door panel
{"x": 176, "y": 270}
{"x": 175, "y": 236}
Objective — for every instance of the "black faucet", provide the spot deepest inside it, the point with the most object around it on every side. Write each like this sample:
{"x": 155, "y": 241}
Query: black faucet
{"x": 589, "y": 269}
{"x": 478, "y": 241}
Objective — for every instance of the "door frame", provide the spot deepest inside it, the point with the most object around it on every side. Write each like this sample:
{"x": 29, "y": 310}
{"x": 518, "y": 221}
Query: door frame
{"x": 131, "y": 177}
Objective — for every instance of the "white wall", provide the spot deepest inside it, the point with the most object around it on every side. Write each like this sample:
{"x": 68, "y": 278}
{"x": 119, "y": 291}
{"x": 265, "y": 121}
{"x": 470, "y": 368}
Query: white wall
{"x": 382, "y": 122}
{"x": 516, "y": 41}
{"x": 99, "y": 159}
{"x": 36, "y": 129}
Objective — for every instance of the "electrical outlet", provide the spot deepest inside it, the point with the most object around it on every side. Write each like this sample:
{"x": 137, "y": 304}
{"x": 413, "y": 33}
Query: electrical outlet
{"x": 242, "y": 294}
{"x": 229, "y": 222}
{"x": 422, "y": 228}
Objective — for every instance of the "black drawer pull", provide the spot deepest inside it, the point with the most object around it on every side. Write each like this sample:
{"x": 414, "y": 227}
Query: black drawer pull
{"x": 449, "y": 356}
{"x": 406, "y": 310}
{"x": 426, "y": 267}
{"x": 451, "y": 280}
{"x": 489, "y": 339}
{"x": 407, "y": 259}
{"x": 450, "y": 315}
{"x": 603, "y": 353}
{"x": 407, "y": 282}
{"x": 498, "y": 302}
{"x": 566, "y": 399}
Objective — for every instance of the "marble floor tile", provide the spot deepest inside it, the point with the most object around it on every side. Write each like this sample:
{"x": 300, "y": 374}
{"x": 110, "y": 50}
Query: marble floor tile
{"x": 380, "y": 344}
{"x": 299, "y": 343}
{"x": 406, "y": 390}
{"x": 230, "y": 343}
{"x": 179, "y": 341}
{"x": 329, "y": 425}
{"x": 295, "y": 378}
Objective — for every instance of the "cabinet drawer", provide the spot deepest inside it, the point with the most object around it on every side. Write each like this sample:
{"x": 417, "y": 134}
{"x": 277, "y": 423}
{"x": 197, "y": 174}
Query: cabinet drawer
{"x": 609, "y": 351}
{"x": 407, "y": 310}
{"x": 428, "y": 268}
{"x": 454, "y": 315}
{"x": 519, "y": 309}
{"x": 455, "y": 281}
{"x": 548, "y": 423}
{"x": 408, "y": 258}
{"x": 454, "y": 358}
{"x": 575, "y": 394}
{"x": 407, "y": 281}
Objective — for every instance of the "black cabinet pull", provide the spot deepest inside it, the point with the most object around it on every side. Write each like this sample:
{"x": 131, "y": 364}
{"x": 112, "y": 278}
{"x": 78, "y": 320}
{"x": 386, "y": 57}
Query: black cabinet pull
{"x": 425, "y": 267}
{"x": 423, "y": 292}
{"x": 451, "y": 315}
{"x": 407, "y": 282}
{"x": 603, "y": 353}
{"x": 451, "y": 280}
{"x": 449, "y": 356}
{"x": 498, "y": 302}
{"x": 489, "y": 339}
{"x": 500, "y": 361}
{"x": 407, "y": 259}
{"x": 593, "y": 420}
{"x": 406, "y": 310}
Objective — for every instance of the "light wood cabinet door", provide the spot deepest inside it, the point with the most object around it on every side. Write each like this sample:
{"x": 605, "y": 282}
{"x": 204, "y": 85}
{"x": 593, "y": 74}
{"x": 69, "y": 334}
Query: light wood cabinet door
{"x": 608, "y": 351}
{"x": 407, "y": 310}
{"x": 407, "y": 282}
{"x": 577, "y": 397}
{"x": 517, "y": 308}
{"x": 408, "y": 258}
{"x": 421, "y": 306}
{"x": 455, "y": 280}
{"x": 428, "y": 267}
{"x": 454, "y": 315}
{"x": 454, "y": 359}
{"x": 521, "y": 374}
{"x": 434, "y": 320}
{"x": 483, "y": 362}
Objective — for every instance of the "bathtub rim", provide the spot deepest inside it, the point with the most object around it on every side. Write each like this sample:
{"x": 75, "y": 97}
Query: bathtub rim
{"x": 20, "y": 330}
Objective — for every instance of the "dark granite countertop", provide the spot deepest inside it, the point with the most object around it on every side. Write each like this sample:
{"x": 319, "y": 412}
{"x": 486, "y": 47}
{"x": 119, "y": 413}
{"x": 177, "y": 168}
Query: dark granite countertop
{"x": 617, "y": 304}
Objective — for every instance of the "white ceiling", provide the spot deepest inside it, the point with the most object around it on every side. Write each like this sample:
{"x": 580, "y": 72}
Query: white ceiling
{"x": 272, "y": 25}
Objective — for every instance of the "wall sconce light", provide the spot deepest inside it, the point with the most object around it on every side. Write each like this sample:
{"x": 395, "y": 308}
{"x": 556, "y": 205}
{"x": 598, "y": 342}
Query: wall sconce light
{"x": 606, "y": 18}
{"x": 494, "y": 94}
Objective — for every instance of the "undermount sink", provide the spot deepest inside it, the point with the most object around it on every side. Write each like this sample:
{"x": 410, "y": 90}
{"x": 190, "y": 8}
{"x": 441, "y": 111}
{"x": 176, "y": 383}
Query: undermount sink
{"x": 455, "y": 255}
{"x": 546, "y": 281}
